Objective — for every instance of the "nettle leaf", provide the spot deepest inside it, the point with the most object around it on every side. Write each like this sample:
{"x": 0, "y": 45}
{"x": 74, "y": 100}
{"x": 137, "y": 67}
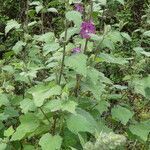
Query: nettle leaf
{"x": 50, "y": 48}
{"x": 141, "y": 129}
{"x": 77, "y": 62}
{"x": 102, "y": 106}
{"x": 74, "y": 16}
{"x": 18, "y": 47}
{"x": 55, "y": 105}
{"x": 3, "y": 100}
{"x": 114, "y": 36}
{"x": 112, "y": 59}
{"x": 9, "y": 132}
{"x": 42, "y": 92}
{"x": 140, "y": 50}
{"x": 47, "y": 37}
{"x": 29, "y": 123}
{"x": 142, "y": 86}
{"x": 81, "y": 122}
{"x": 102, "y": 2}
{"x": 122, "y": 114}
{"x": 49, "y": 142}
{"x": 12, "y": 24}
{"x": 147, "y": 33}
{"x": 27, "y": 105}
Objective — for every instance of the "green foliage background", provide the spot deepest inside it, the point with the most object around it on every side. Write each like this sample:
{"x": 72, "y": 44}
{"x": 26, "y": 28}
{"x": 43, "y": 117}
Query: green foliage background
{"x": 51, "y": 99}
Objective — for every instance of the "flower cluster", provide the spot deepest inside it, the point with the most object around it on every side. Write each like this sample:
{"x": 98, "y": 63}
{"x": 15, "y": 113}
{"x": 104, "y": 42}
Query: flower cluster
{"x": 79, "y": 7}
{"x": 87, "y": 28}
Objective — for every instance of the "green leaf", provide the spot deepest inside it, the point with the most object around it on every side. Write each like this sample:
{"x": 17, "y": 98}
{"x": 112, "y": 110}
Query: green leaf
{"x": 147, "y": 33}
{"x": 42, "y": 92}
{"x": 81, "y": 122}
{"x": 102, "y": 2}
{"x": 3, "y": 100}
{"x": 38, "y": 8}
{"x": 140, "y": 50}
{"x": 27, "y": 105}
{"x": 11, "y": 24}
{"x": 9, "y": 132}
{"x": 126, "y": 36}
{"x": 29, "y": 123}
{"x": 77, "y": 62}
{"x": 141, "y": 129}
{"x": 3, "y": 145}
{"x": 102, "y": 106}
{"x": 142, "y": 86}
{"x": 111, "y": 59}
{"x": 121, "y": 114}
{"x": 121, "y": 1}
{"x": 54, "y": 10}
{"x": 49, "y": 142}
{"x": 18, "y": 47}
{"x": 50, "y": 48}
{"x": 74, "y": 16}
{"x": 69, "y": 106}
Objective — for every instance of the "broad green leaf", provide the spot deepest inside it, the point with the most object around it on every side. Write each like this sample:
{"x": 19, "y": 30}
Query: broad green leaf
{"x": 50, "y": 48}
{"x": 3, "y": 100}
{"x": 3, "y": 145}
{"x": 28, "y": 147}
{"x": 27, "y": 105}
{"x": 102, "y": 2}
{"x": 126, "y": 36}
{"x": 141, "y": 129}
{"x": 42, "y": 92}
{"x": 38, "y": 8}
{"x": 140, "y": 50}
{"x": 77, "y": 62}
{"x": 48, "y": 37}
{"x": 29, "y": 123}
{"x": 54, "y": 10}
{"x": 81, "y": 122}
{"x": 121, "y": 114}
{"x": 11, "y": 24}
{"x": 18, "y": 47}
{"x": 114, "y": 36}
{"x": 74, "y": 16}
{"x": 102, "y": 106}
{"x": 36, "y": 3}
{"x": 142, "y": 86}
{"x": 9, "y": 132}
{"x": 112, "y": 59}
{"x": 121, "y": 1}
{"x": 147, "y": 33}
{"x": 69, "y": 106}
{"x": 49, "y": 142}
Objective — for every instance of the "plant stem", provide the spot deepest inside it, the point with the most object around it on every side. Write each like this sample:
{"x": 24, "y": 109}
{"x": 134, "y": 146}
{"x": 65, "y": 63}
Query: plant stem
{"x": 63, "y": 58}
{"x": 44, "y": 114}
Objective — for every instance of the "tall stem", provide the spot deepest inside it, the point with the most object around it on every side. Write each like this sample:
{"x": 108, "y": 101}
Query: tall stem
{"x": 63, "y": 57}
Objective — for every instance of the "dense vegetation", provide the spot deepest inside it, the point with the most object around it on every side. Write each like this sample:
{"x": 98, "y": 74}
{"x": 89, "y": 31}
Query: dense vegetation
{"x": 74, "y": 75}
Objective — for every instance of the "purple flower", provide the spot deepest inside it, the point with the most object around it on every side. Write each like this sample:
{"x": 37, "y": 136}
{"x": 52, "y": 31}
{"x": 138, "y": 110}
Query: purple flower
{"x": 79, "y": 7}
{"x": 77, "y": 50}
{"x": 87, "y": 28}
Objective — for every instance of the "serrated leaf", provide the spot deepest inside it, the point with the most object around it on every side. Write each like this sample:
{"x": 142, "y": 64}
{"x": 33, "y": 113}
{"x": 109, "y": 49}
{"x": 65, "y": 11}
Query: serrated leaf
{"x": 140, "y": 50}
{"x": 112, "y": 59}
{"x": 81, "y": 122}
{"x": 49, "y": 142}
{"x": 142, "y": 86}
{"x": 9, "y": 132}
{"x": 29, "y": 123}
{"x": 3, "y": 100}
{"x": 141, "y": 129}
{"x": 121, "y": 114}
{"x": 27, "y": 105}
{"x": 42, "y": 92}
{"x": 147, "y": 33}
{"x": 126, "y": 36}
{"x": 74, "y": 16}
{"x": 77, "y": 62}
{"x": 11, "y": 24}
{"x": 18, "y": 47}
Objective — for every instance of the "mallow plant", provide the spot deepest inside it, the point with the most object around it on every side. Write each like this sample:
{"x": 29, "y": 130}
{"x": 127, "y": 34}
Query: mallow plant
{"x": 55, "y": 93}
